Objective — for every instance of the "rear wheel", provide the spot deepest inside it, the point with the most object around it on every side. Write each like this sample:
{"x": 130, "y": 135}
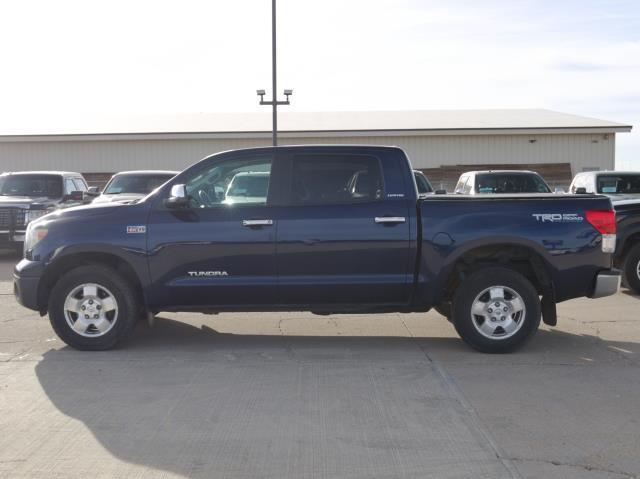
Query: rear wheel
{"x": 632, "y": 269}
{"x": 496, "y": 310}
{"x": 92, "y": 308}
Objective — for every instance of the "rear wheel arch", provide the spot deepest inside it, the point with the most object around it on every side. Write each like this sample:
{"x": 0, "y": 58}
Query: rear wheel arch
{"x": 522, "y": 259}
{"x": 69, "y": 262}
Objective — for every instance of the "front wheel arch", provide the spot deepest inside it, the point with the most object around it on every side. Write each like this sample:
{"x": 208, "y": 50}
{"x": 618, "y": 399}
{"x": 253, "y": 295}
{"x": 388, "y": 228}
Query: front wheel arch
{"x": 63, "y": 265}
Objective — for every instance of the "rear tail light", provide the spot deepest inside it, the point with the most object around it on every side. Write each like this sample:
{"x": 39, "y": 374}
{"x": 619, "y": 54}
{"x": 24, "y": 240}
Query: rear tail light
{"x": 605, "y": 222}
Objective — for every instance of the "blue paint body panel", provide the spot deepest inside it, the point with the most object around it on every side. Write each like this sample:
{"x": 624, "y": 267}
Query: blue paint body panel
{"x": 316, "y": 257}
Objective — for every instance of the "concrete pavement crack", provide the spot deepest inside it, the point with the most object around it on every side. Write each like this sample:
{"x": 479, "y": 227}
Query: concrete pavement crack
{"x": 586, "y": 467}
{"x": 476, "y": 423}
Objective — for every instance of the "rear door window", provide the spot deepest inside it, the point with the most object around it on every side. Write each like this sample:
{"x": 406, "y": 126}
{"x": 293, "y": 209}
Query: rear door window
{"x": 335, "y": 179}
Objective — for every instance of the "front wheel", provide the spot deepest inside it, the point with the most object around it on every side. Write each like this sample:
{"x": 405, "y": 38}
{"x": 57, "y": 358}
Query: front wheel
{"x": 496, "y": 310}
{"x": 632, "y": 269}
{"x": 92, "y": 308}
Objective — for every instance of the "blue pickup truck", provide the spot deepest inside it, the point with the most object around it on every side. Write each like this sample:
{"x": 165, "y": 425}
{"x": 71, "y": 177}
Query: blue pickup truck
{"x": 326, "y": 229}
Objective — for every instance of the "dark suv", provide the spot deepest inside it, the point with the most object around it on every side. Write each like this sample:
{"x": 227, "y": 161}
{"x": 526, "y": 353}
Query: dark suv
{"x": 25, "y": 196}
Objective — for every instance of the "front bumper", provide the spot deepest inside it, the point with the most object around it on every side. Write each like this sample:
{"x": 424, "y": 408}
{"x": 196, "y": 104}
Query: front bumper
{"x": 26, "y": 279}
{"x": 607, "y": 283}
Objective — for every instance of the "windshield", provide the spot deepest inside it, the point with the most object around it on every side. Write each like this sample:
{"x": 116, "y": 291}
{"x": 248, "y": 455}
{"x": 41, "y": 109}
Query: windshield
{"x": 36, "y": 186}
{"x": 510, "y": 183}
{"x": 135, "y": 184}
{"x": 422, "y": 183}
{"x": 619, "y": 184}
{"x": 249, "y": 186}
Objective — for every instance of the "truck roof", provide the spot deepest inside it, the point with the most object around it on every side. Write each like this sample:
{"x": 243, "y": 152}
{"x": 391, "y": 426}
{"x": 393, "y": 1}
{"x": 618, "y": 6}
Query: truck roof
{"x": 511, "y": 172}
{"x": 146, "y": 172}
{"x": 58, "y": 173}
{"x": 609, "y": 172}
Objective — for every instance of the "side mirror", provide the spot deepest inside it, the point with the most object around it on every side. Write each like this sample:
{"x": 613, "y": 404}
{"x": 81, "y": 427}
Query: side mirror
{"x": 440, "y": 192}
{"x": 93, "y": 190}
{"x": 581, "y": 191}
{"x": 559, "y": 191}
{"x": 178, "y": 197}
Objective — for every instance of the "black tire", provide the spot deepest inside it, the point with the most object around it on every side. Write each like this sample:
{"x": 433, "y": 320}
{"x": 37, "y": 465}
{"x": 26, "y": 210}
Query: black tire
{"x": 482, "y": 280}
{"x": 632, "y": 269}
{"x": 123, "y": 293}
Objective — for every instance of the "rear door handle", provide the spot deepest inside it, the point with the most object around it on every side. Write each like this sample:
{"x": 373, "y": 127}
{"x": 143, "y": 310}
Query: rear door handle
{"x": 390, "y": 219}
{"x": 257, "y": 222}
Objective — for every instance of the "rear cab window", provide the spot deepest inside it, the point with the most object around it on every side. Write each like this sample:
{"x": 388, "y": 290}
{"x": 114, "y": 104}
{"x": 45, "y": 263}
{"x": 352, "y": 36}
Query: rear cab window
{"x": 620, "y": 184}
{"x": 492, "y": 183}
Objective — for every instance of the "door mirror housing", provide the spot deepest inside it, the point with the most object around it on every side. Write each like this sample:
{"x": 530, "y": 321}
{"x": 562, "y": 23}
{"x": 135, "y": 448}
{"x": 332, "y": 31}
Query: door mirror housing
{"x": 93, "y": 190}
{"x": 177, "y": 197}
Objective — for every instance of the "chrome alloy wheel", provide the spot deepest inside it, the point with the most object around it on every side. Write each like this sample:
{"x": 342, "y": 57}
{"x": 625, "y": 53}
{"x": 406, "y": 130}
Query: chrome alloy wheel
{"x": 638, "y": 269}
{"x": 91, "y": 310}
{"x": 498, "y": 312}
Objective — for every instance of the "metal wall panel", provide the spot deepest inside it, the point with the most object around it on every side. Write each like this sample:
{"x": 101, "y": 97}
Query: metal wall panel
{"x": 580, "y": 150}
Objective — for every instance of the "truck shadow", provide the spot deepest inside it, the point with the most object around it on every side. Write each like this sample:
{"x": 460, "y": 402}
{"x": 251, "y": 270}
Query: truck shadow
{"x": 199, "y": 403}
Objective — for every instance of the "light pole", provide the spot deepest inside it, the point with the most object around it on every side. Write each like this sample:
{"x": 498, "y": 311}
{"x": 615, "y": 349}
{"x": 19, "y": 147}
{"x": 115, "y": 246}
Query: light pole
{"x": 274, "y": 79}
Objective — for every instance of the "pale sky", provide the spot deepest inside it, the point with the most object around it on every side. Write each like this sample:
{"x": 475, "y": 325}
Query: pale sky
{"x": 72, "y": 59}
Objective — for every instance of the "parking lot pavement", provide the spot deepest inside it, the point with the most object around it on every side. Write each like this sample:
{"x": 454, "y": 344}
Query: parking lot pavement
{"x": 302, "y": 396}
{"x": 8, "y": 258}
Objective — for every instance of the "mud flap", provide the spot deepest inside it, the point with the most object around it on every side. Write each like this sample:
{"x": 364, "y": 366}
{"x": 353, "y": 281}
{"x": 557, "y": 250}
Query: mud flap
{"x": 549, "y": 313}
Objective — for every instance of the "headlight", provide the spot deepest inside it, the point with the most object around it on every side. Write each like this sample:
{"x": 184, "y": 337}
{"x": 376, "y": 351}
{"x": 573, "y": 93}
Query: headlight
{"x": 32, "y": 215}
{"x": 34, "y": 234}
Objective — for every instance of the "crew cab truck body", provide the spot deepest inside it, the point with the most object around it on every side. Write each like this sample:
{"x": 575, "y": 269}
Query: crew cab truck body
{"x": 28, "y": 195}
{"x": 623, "y": 187}
{"x": 627, "y": 256}
{"x": 340, "y": 230}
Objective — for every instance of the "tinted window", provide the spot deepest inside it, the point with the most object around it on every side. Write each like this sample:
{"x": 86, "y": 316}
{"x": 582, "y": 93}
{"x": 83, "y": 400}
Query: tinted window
{"x": 325, "y": 179}
{"x": 31, "y": 185}
{"x": 226, "y": 183}
{"x": 135, "y": 184}
{"x": 619, "y": 184}
{"x": 510, "y": 183}
{"x": 422, "y": 183}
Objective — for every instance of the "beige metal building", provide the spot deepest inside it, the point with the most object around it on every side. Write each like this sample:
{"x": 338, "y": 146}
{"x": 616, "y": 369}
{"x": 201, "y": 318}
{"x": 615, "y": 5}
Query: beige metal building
{"x": 434, "y": 140}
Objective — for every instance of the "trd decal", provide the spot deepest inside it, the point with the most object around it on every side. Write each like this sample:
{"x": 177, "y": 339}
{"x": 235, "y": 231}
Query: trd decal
{"x": 558, "y": 217}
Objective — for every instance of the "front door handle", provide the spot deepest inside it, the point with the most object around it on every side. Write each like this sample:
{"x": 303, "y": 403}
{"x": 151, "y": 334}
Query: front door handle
{"x": 257, "y": 222}
{"x": 390, "y": 219}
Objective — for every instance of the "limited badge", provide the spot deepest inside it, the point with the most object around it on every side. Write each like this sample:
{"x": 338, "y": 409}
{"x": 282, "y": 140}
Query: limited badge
{"x": 136, "y": 229}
